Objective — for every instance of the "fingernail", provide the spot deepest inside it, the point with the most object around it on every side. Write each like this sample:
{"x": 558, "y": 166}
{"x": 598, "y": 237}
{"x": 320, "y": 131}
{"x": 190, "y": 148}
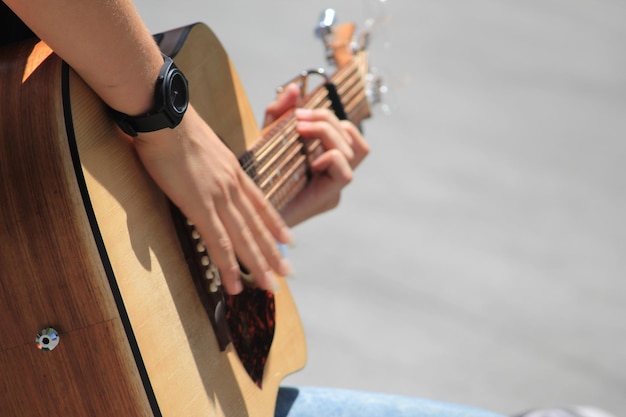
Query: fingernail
{"x": 237, "y": 286}
{"x": 274, "y": 286}
{"x": 285, "y": 267}
{"x": 303, "y": 125}
{"x": 302, "y": 112}
{"x": 286, "y": 237}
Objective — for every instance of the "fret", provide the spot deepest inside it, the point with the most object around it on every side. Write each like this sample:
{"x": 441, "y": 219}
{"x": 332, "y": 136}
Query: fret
{"x": 290, "y": 184}
{"x": 279, "y": 161}
{"x": 292, "y": 155}
{"x": 284, "y": 148}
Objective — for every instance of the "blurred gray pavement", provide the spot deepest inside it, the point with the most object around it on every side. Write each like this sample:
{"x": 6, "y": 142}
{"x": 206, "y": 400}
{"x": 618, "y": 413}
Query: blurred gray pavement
{"x": 478, "y": 256}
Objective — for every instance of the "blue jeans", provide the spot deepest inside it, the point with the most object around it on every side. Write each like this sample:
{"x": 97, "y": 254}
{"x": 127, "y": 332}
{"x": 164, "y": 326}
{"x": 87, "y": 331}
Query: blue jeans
{"x": 327, "y": 402}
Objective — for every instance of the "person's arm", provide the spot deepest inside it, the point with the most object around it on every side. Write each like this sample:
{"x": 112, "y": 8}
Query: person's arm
{"x": 107, "y": 44}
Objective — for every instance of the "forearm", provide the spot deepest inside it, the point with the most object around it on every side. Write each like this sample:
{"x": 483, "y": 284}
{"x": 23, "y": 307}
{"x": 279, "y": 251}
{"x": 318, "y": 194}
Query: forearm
{"x": 104, "y": 41}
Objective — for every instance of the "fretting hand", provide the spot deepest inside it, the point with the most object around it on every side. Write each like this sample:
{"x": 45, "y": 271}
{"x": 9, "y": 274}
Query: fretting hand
{"x": 344, "y": 149}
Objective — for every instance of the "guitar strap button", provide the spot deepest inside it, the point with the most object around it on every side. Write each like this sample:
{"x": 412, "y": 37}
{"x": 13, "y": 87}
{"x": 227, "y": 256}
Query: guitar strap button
{"x": 47, "y": 339}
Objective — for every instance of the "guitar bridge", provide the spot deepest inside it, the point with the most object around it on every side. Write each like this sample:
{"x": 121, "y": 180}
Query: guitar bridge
{"x": 247, "y": 320}
{"x": 205, "y": 275}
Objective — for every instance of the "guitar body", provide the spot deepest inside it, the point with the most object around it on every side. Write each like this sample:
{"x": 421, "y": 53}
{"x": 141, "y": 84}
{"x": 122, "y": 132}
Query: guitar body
{"x": 88, "y": 247}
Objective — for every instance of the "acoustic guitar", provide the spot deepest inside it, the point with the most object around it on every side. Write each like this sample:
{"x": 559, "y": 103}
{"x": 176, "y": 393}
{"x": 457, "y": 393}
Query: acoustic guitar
{"x": 109, "y": 302}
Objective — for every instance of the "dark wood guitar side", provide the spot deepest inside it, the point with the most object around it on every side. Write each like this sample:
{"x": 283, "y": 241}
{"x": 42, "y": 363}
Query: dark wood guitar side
{"x": 88, "y": 247}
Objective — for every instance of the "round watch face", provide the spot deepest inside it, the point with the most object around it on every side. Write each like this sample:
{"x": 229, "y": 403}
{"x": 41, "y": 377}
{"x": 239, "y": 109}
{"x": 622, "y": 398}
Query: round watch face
{"x": 178, "y": 92}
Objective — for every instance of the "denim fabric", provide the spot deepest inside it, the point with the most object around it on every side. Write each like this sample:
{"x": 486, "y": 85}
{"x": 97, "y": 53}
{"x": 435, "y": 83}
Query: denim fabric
{"x": 327, "y": 402}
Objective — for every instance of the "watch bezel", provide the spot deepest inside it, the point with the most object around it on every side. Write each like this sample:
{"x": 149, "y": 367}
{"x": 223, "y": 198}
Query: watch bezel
{"x": 164, "y": 101}
{"x": 166, "y": 114}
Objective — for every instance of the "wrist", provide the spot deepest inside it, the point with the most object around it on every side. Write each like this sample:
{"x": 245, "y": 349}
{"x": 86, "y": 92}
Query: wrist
{"x": 170, "y": 102}
{"x": 174, "y": 135}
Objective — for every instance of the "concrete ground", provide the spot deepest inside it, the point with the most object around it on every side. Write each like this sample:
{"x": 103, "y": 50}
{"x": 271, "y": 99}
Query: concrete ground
{"x": 478, "y": 257}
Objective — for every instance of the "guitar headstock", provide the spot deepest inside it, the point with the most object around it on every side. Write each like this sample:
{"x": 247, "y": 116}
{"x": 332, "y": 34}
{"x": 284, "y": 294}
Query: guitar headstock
{"x": 345, "y": 47}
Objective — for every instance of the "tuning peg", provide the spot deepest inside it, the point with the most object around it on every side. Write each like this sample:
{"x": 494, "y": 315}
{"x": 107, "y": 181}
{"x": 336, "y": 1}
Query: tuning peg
{"x": 324, "y": 27}
{"x": 375, "y": 88}
{"x": 324, "y": 31}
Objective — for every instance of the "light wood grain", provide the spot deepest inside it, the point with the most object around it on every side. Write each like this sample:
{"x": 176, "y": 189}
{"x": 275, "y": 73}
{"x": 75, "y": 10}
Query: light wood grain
{"x": 50, "y": 269}
{"x": 188, "y": 372}
{"x": 53, "y": 273}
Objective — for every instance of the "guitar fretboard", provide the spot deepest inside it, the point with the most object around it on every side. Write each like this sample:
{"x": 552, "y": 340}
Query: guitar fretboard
{"x": 279, "y": 161}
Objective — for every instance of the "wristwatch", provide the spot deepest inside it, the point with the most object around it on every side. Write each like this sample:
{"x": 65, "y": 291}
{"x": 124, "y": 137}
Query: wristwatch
{"x": 171, "y": 98}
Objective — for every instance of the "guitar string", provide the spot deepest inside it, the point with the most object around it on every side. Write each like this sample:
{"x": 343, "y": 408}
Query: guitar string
{"x": 319, "y": 102}
{"x": 340, "y": 79}
{"x": 279, "y": 194}
{"x": 291, "y": 182}
{"x": 272, "y": 137}
{"x": 284, "y": 135}
{"x": 268, "y": 146}
{"x": 284, "y": 143}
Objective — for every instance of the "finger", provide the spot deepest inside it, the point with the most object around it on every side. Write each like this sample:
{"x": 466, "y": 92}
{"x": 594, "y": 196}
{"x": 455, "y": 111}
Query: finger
{"x": 324, "y": 126}
{"x": 220, "y": 246}
{"x": 334, "y": 165}
{"x": 317, "y": 115}
{"x": 333, "y": 174}
{"x": 359, "y": 145}
{"x": 242, "y": 235}
{"x": 271, "y": 218}
{"x": 285, "y": 101}
{"x": 268, "y": 252}
{"x": 252, "y": 242}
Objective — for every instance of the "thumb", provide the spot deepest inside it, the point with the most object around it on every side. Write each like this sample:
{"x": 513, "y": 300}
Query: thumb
{"x": 286, "y": 100}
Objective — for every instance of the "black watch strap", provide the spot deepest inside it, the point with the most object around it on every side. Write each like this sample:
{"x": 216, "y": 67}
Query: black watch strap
{"x": 133, "y": 125}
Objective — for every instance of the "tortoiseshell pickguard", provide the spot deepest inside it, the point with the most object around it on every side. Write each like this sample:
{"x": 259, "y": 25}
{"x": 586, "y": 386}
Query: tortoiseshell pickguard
{"x": 247, "y": 319}
{"x": 251, "y": 318}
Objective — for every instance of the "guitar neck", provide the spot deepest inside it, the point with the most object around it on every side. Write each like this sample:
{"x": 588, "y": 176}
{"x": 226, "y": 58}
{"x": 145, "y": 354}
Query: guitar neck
{"x": 279, "y": 161}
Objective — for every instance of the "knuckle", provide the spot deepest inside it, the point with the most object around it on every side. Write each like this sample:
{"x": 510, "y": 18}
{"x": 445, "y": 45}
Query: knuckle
{"x": 232, "y": 270}
{"x": 262, "y": 206}
{"x": 323, "y": 114}
{"x": 347, "y": 125}
{"x": 227, "y": 189}
{"x": 349, "y": 153}
{"x": 224, "y": 245}
{"x": 325, "y": 129}
{"x": 348, "y": 176}
{"x": 274, "y": 254}
{"x": 364, "y": 149}
{"x": 333, "y": 203}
